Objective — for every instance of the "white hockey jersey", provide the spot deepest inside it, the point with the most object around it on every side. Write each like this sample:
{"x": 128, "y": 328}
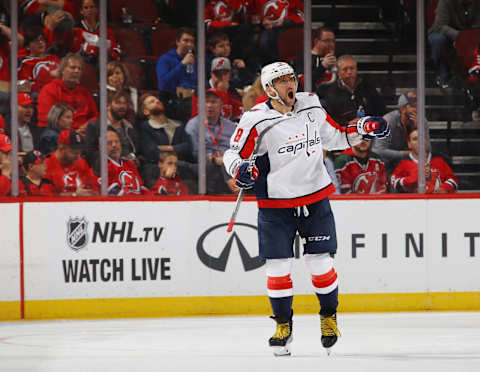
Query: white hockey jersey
{"x": 290, "y": 156}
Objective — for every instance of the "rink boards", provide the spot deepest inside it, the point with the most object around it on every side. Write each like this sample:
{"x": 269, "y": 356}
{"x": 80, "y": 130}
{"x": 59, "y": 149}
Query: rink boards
{"x": 94, "y": 259}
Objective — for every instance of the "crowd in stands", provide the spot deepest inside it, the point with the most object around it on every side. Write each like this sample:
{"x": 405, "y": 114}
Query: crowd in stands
{"x": 153, "y": 122}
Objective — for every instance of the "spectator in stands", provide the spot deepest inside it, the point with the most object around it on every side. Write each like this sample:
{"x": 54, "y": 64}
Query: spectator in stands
{"x": 36, "y": 68}
{"x": 351, "y": 96}
{"x": 31, "y": 7}
{"x": 223, "y": 14}
{"x": 5, "y": 37}
{"x": 439, "y": 177}
{"x": 123, "y": 176}
{"x": 452, "y": 16}
{"x": 220, "y": 81}
{"x": 324, "y": 62}
{"x": 60, "y": 117}
{"x": 118, "y": 80}
{"x": 217, "y": 140}
{"x": 86, "y": 35}
{"x": 176, "y": 69}
{"x": 274, "y": 18}
{"x": 117, "y": 107}
{"x": 68, "y": 90}
{"x": 57, "y": 25}
{"x": 158, "y": 133}
{"x": 169, "y": 182}
{"x": 402, "y": 121}
{"x": 361, "y": 171}
{"x": 27, "y": 131}
{"x": 219, "y": 46}
{"x": 253, "y": 95}
{"x": 5, "y": 165}
{"x": 33, "y": 182}
{"x": 70, "y": 173}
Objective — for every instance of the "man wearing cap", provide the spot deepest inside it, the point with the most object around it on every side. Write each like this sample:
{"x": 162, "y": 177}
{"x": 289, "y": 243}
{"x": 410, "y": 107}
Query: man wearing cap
{"x": 5, "y": 165}
{"x": 33, "y": 182}
{"x": 70, "y": 173}
{"x": 402, "y": 121}
{"x": 220, "y": 80}
{"x": 68, "y": 90}
{"x": 27, "y": 131}
{"x": 218, "y": 131}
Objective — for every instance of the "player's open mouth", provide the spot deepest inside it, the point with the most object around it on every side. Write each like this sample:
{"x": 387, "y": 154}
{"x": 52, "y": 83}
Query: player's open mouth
{"x": 290, "y": 94}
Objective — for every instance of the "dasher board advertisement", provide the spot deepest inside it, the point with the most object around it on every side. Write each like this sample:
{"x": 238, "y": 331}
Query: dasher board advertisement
{"x": 173, "y": 249}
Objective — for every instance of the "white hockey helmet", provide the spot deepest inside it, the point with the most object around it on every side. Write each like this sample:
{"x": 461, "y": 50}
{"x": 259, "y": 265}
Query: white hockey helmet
{"x": 273, "y": 71}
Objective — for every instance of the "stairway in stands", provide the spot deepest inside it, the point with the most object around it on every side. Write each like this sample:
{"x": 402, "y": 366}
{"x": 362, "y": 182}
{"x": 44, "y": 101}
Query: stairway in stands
{"x": 373, "y": 36}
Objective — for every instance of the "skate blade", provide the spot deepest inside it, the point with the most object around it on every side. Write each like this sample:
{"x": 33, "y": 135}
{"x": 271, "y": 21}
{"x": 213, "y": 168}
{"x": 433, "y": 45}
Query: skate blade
{"x": 281, "y": 350}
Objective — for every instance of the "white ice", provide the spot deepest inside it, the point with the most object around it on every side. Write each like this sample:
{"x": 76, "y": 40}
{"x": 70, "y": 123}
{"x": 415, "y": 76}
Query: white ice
{"x": 426, "y": 342}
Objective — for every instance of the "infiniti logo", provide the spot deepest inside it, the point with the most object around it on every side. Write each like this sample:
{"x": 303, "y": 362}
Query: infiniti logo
{"x": 220, "y": 263}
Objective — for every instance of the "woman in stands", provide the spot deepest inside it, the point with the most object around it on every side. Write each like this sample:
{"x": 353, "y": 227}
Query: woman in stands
{"x": 60, "y": 117}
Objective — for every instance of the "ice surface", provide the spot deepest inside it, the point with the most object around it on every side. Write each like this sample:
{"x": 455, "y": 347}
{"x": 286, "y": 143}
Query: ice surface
{"x": 426, "y": 342}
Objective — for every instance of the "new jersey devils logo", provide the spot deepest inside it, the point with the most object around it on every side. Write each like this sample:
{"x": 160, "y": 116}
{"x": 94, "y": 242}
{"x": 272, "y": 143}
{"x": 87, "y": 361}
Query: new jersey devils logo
{"x": 275, "y": 10}
{"x": 129, "y": 182}
{"x": 364, "y": 183}
{"x": 71, "y": 181}
{"x": 47, "y": 66}
{"x": 223, "y": 12}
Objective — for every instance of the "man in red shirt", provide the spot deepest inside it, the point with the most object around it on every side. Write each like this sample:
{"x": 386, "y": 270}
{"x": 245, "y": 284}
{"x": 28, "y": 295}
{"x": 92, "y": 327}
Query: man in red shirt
{"x": 67, "y": 90}
{"x": 33, "y": 182}
{"x": 123, "y": 176}
{"x": 361, "y": 171}
{"x": 70, "y": 173}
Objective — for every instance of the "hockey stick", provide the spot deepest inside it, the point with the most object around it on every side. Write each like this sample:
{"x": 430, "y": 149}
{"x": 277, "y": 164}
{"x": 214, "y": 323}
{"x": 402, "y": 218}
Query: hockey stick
{"x": 251, "y": 162}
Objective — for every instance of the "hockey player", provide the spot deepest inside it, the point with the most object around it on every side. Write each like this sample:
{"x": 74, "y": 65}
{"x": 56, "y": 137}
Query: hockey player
{"x": 283, "y": 138}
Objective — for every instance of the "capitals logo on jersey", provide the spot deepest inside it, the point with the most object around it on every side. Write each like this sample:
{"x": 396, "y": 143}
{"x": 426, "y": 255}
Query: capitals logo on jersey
{"x": 308, "y": 140}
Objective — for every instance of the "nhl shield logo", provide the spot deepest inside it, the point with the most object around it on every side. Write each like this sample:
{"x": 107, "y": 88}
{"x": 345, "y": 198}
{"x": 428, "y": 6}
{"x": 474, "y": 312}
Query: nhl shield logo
{"x": 77, "y": 237}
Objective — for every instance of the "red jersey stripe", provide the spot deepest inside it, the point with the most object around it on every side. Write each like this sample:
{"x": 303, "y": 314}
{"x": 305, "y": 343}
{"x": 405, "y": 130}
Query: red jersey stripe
{"x": 249, "y": 144}
{"x": 325, "y": 280}
{"x": 334, "y": 124}
{"x": 279, "y": 282}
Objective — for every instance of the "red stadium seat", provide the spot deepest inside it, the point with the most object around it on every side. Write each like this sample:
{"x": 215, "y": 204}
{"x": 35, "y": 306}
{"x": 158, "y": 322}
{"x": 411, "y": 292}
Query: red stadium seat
{"x": 466, "y": 43}
{"x": 89, "y": 78}
{"x": 141, "y": 10}
{"x": 132, "y": 43}
{"x": 290, "y": 43}
{"x": 163, "y": 40}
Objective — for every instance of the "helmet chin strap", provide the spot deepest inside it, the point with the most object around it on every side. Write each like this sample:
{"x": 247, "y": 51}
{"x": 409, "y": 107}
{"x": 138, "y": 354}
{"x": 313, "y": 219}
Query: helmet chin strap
{"x": 276, "y": 96}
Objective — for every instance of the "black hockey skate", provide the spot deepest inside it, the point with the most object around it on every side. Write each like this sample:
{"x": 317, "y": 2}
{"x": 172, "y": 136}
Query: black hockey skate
{"x": 280, "y": 341}
{"x": 330, "y": 332}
